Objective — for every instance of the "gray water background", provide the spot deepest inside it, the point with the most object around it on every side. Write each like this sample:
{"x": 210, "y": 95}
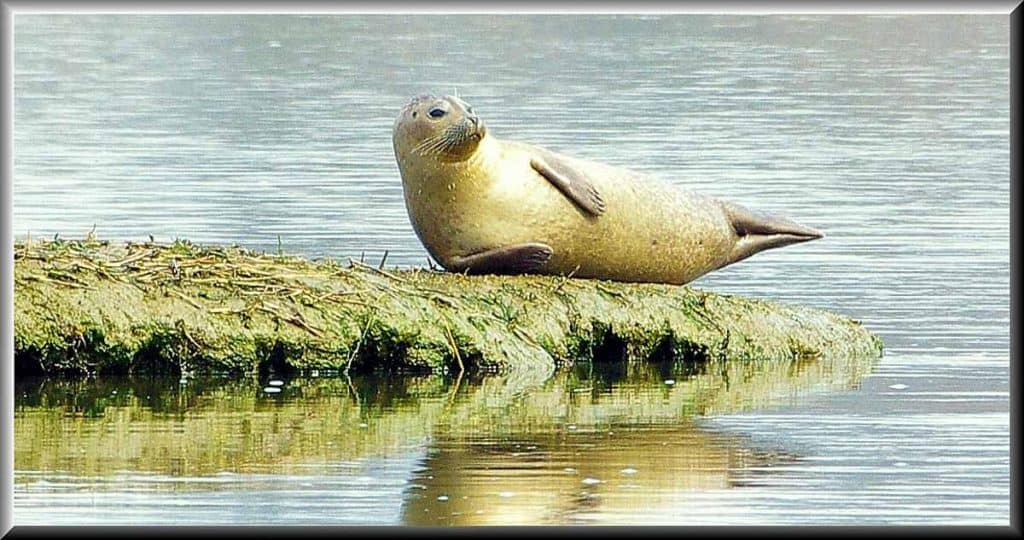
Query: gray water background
{"x": 890, "y": 133}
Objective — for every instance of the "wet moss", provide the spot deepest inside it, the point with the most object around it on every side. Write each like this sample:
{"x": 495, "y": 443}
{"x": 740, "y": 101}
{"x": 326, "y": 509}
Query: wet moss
{"x": 92, "y": 306}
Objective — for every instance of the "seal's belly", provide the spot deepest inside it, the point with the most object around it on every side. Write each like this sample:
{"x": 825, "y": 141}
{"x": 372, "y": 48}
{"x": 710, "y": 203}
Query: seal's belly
{"x": 649, "y": 232}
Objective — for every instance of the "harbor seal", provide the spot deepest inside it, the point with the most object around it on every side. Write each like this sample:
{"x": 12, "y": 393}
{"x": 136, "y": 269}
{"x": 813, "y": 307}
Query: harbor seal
{"x": 484, "y": 205}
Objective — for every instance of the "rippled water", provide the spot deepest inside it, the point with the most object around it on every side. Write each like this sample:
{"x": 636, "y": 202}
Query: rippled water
{"x": 890, "y": 133}
{"x": 586, "y": 444}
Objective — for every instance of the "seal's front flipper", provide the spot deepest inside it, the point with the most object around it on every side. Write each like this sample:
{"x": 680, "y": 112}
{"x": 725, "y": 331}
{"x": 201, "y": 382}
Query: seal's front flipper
{"x": 572, "y": 183}
{"x": 759, "y": 232}
{"x": 516, "y": 259}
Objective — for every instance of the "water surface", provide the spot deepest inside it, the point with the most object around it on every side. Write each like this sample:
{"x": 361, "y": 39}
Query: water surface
{"x": 590, "y": 443}
{"x": 890, "y": 133}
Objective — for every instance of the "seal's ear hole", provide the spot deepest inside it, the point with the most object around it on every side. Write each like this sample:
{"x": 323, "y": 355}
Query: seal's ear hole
{"x": 414, "y": 113}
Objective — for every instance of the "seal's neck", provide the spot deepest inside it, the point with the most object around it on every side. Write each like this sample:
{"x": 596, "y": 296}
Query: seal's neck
{"x": 431, "y": 174}
{"x": 486, "y": 152}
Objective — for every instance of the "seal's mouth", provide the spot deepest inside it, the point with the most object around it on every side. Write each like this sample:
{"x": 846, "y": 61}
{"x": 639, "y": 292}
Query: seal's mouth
{"x": 481, "y": 129}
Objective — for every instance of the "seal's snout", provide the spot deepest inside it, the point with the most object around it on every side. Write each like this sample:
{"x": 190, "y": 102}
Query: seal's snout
{"x": 479, "y": 129}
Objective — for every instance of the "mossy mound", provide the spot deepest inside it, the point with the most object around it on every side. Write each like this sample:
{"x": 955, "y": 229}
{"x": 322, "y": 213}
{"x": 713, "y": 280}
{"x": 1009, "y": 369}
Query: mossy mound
{"x": 88, "y": 306}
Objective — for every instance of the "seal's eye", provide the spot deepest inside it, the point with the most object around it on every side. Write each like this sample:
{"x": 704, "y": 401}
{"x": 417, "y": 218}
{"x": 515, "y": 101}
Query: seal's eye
{"x": 437, "y": 112}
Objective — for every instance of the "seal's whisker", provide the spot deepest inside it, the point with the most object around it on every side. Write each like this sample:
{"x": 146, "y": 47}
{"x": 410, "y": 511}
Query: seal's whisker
{"x": 451, "y": 137}
{"x": 426, "y": 142}
{"x": 436, "y": 146}
{"x": 423, "y": 147}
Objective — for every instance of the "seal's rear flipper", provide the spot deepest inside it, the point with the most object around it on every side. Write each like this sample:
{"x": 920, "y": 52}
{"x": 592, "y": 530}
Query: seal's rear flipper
{"x": 759, "y": 232}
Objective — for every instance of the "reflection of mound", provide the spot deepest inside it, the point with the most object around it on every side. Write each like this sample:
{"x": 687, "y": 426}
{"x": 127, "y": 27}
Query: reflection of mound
{"x": 565, "y": 476}
{"x": 96, "y": 428}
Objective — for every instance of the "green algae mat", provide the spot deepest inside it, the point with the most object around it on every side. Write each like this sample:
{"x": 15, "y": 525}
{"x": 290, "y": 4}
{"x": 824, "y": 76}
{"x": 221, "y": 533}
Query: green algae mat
{"x": 91, "y": 306}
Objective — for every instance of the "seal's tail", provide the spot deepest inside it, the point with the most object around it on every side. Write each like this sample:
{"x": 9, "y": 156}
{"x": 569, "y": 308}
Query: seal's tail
{"x": 759, "y": 232}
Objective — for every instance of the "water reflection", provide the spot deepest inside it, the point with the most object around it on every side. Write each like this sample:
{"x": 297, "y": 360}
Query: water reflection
{"x": 563, "y": 475}
{"x": 607, "y": 436}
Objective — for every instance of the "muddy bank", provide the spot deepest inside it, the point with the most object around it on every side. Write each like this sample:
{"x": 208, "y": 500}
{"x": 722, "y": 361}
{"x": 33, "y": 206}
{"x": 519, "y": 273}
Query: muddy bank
{"x": 90, "y": 306}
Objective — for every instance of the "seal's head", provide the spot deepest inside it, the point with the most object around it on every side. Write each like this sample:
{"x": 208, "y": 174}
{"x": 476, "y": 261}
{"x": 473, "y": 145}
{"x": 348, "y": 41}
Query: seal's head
{"x": 442, "y": 128}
